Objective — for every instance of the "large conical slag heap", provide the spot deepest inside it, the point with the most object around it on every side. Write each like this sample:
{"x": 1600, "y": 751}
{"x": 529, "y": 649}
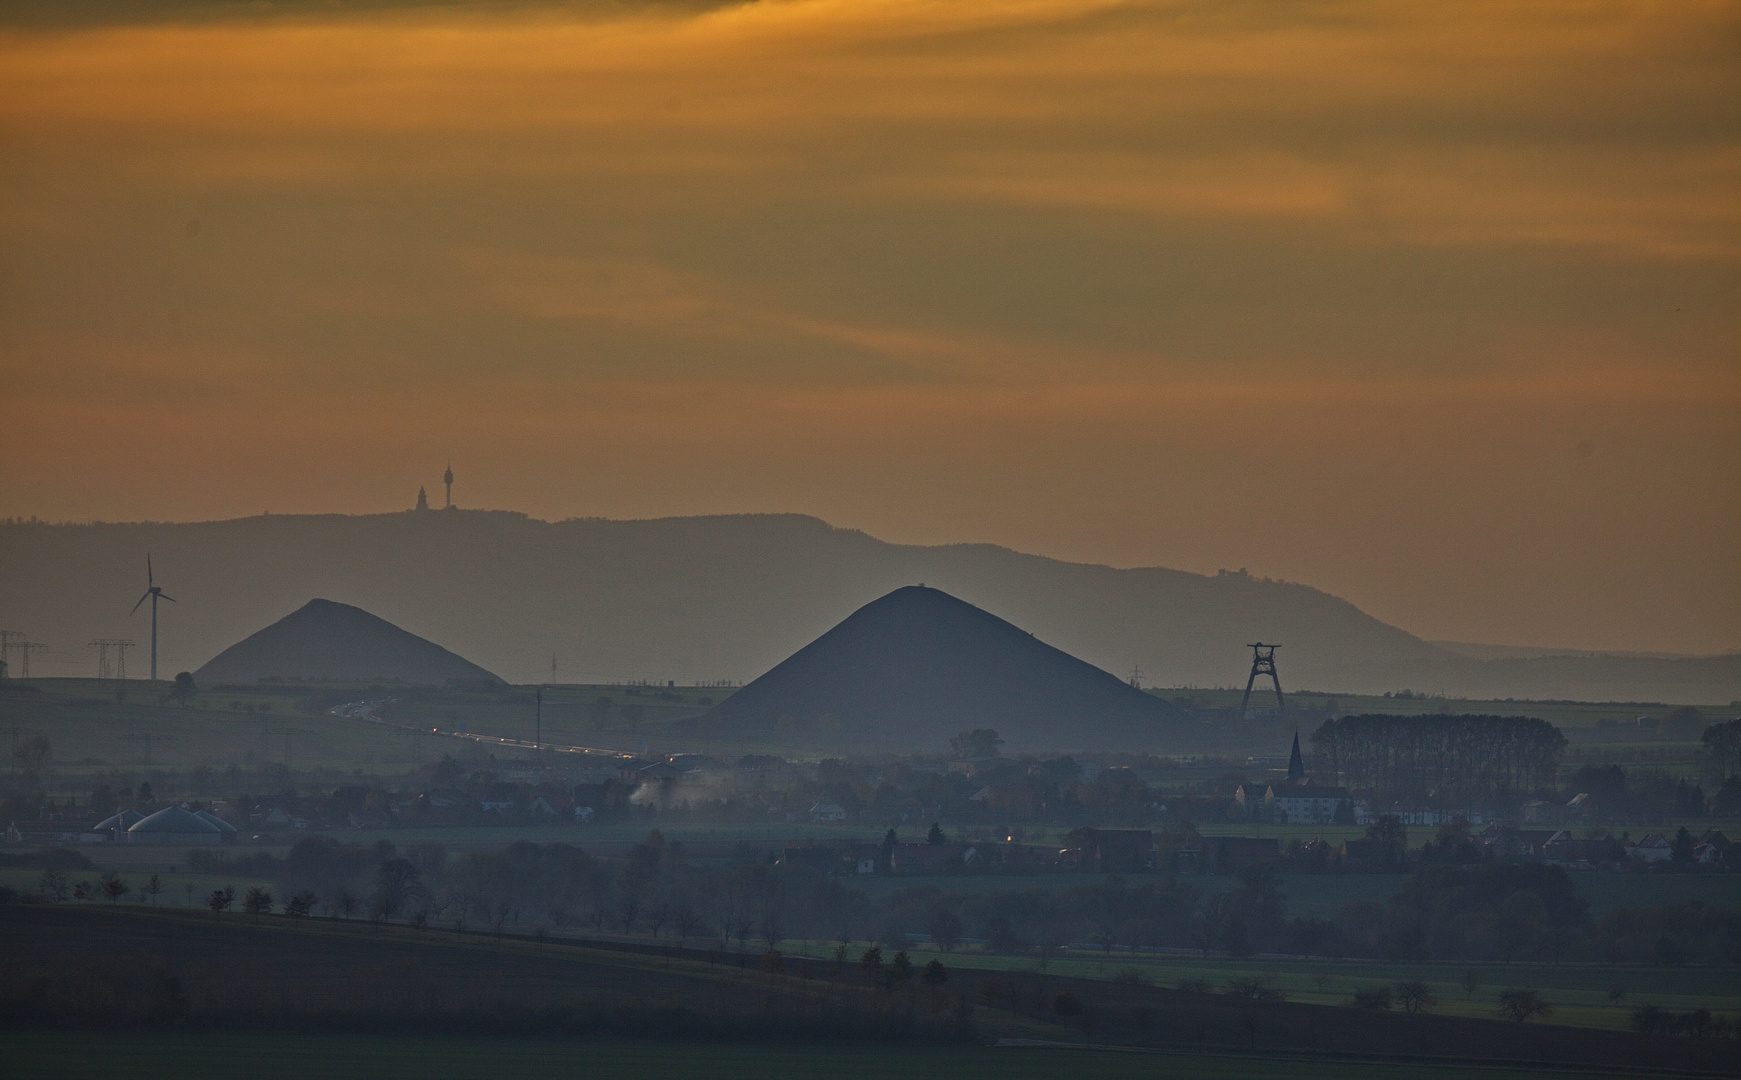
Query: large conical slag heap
{"x": 909, "y": 670}
{"x": 323, "y": 641}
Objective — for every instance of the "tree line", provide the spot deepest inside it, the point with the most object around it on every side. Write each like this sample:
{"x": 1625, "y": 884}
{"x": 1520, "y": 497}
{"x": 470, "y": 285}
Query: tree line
{"x": 1462, "y": 761}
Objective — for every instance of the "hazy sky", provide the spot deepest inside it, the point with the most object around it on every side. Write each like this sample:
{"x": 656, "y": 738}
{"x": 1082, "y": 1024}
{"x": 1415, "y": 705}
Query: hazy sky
{"x": 1434, "y": 306}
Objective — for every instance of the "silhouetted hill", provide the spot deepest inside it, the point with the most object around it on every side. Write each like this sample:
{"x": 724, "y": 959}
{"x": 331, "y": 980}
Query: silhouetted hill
{"x": 722, "y": 597}
{"x": 327, "y": 642}
{"x": 907, "y": 671}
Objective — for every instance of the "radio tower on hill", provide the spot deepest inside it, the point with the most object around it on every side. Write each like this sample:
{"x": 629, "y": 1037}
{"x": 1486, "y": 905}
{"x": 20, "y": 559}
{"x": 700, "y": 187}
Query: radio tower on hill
{"x": 447, "y": 478}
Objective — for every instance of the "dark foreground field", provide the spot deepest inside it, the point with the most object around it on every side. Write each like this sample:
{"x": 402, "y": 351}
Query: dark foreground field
{"x": 174, "y": 1056}
{"x": 83, "y": 984}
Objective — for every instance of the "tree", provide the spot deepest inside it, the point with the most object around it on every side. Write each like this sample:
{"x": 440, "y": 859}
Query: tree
{"x": 396, "y": 884}
{"x": 52, "y": 884}
{"x": 32, "y": 753}
{"x": 870, "y": 962}
{"x": 935, "y": 836}
{"x": 1723, "y": 746}
{"x": 113, "y": 887}
{"x": 221, "y": 899}
{"x": 1682, "y": 848}
{"x": 1470, "y": 982}
{"x": 901, "y": 968}
{"x": 153, "y": 888}
{"x": 935, "y": 974}
{"x": 1521, "y": 1005}
{"x": 945, "y": 929}
{"x": 1415, "y": 996}
{"x": 184, "y": 688}
{"x": 1390, "y": 835}
{"x": 257, "y": 902}
{"x": 299, "y": 905}
{"x": 978, "y": 743}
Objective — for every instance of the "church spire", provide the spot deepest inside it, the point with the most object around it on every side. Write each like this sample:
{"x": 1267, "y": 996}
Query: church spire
{"x": 1296, "y": 763}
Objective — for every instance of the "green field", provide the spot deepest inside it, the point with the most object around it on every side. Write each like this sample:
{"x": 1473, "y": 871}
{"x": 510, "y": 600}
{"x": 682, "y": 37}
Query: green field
{"x": 160, "y": 1056}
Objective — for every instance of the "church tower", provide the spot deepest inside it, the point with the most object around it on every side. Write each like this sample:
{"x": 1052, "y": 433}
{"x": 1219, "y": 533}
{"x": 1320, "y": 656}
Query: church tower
{"x": 1296, "y": 763}
{"x": 422, "y": 499}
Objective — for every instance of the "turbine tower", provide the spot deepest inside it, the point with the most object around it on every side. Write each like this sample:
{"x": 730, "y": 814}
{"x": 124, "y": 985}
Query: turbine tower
{"x": 447, "y": 478}
{"x": 152, "y": 593}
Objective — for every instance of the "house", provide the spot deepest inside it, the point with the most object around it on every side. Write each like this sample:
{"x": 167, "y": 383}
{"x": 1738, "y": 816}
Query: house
{"x": 550, "y": 806}
{"x": 1361, "y": 854}
{"x": 1582, "y": 854}
{"x": 1112, "y": 850}
{"x": 827, "y": 811}
{"x": 1518, "y": 845}
{"x": 583, "y": 813}
{"x": 1305, "y": 803}
{"x": 1654, "y": 848}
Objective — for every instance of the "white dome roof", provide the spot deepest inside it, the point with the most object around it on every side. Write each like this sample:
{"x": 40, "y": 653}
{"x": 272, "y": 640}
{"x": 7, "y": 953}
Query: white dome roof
{"x": 173, "y": 819}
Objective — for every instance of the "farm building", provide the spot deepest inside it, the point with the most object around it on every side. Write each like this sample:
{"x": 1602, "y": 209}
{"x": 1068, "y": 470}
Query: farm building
{"x": 173, "y": 825}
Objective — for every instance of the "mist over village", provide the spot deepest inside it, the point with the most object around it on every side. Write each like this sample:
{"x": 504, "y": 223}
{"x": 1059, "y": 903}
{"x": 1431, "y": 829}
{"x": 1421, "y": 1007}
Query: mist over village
{"x": 869, "y": 538}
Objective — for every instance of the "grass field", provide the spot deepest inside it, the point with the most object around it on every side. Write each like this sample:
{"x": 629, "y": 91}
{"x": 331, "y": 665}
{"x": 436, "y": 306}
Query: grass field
{"x": 281, "y": 977}
{"x": 1578, "y": 992}
{"x": 175, "y": 1056}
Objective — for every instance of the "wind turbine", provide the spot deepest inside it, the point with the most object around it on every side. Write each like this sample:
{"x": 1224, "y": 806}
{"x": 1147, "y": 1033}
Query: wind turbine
{"x": 152, "y": 593}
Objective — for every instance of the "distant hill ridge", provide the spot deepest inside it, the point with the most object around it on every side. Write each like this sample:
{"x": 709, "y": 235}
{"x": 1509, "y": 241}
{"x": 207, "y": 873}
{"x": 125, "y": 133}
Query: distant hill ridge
{"x": 728, "y": 597}
{"x": 327, "y": 642}
{"x": 916, "y": 666}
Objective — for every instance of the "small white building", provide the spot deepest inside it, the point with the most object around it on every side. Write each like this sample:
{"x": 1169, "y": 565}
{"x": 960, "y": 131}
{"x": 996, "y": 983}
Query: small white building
{"x": 827, "y": 811}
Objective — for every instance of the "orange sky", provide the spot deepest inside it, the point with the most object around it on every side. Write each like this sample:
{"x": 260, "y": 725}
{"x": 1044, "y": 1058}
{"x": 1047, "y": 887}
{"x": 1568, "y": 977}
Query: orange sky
{"x": 1431, "y": 306}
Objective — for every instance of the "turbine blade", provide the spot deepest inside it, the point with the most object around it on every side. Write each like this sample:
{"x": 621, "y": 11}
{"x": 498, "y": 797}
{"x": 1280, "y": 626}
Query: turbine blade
{"x": 142, "y": 599}
{"x": 166, "y": 596}
{"x": 148, "y": 580}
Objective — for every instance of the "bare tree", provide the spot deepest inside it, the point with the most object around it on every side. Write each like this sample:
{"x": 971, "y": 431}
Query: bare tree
{"x": 53, "y": 885}
{"x": 153, "y": 888}
{"x": 1522, "y": 1005}
{"x": 1415, "y": 996}
{"x": 220, "y": 899}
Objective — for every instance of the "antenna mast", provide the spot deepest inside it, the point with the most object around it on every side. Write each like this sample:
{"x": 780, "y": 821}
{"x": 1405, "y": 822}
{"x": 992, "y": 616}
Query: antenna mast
{"x": 1263, "y": 662}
